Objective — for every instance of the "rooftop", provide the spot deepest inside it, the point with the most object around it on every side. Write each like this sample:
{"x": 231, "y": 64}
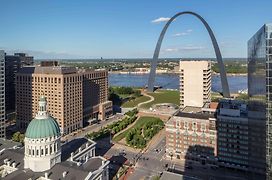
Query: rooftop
{"x": 69, "y": 169}
{"x": 174, "y": 176}
{"x": 196, "y": 115}
{"x": 191, "y": 109}
{"x": 55, "y": 70}
{"x": 73, "y": 146}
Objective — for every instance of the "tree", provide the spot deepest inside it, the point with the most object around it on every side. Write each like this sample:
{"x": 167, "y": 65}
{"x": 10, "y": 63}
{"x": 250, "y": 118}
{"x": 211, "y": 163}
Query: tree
{"x": 137, "y": 93}
{"x": 18, "y": 137}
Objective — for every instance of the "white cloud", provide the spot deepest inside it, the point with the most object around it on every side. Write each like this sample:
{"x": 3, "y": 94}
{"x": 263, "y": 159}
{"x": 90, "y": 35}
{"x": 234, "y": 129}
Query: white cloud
{"x": 171, "y": 50}
{"x": 184, "y": 48}
{"x": 187, "y": 32}
{"x": 161, "y": 19}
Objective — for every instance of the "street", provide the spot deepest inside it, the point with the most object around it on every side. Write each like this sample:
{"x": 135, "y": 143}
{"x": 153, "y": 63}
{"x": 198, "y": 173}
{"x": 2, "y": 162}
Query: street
{"x": 151, "y": 161}
{"x": 91, "y": 128}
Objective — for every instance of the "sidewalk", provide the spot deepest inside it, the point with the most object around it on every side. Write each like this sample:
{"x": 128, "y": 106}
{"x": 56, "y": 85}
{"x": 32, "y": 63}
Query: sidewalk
{"x": 155, "y": 140}
{"x": 151, "y": 99}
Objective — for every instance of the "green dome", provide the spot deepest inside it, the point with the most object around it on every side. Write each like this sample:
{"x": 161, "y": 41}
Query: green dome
{"x": 42, "y": 128}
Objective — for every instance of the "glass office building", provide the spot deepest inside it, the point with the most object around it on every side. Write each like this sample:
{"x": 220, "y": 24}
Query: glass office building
{"x": 2, "y": 95}
{"x": 260, "y": 83}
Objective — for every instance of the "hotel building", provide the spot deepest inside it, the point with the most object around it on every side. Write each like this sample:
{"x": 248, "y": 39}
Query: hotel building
{"x": 73, "y": 95}
{"x": 191, "y": 135}
{"x": 195, "y": 83}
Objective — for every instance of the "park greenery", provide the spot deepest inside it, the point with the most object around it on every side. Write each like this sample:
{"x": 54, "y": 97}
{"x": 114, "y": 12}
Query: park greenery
{"x": 163, "y": 96}
{"x": 134, "y": 102}
{"x": 132, "y": 112}
{"x": 18, "y": 137}
{"x": 114, "y": 127}
{"x": 143, "y": 131}
{"x": 125, "y": 96}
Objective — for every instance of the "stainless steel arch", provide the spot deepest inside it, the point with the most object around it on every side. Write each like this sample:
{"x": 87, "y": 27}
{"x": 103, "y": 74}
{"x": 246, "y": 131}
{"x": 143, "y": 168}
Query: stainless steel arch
{"x": 224, "y": 82}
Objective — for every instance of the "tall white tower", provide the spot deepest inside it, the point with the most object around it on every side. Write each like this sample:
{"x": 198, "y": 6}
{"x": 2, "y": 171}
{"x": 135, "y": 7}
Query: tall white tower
{"x": 195, "y": 83}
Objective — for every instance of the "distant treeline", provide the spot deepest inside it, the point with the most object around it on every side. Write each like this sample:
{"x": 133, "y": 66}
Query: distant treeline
{"x": 233, "y": 65}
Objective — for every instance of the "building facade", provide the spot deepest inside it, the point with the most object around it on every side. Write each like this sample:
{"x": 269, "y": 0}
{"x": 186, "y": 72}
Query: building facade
{"x": 13, "y": 64}
{"x": 2, "y": 95}
{"x": 95, "y": 92}
{"x": 42, "y": 141}
{"x": 260, "y": 83}
{"x": 43, "y": 156}
{"x": 70, "y": 99}
{"x": 241, "y": 137}
{"x": 191, "y": 136}
{"x": 195, "y": 83}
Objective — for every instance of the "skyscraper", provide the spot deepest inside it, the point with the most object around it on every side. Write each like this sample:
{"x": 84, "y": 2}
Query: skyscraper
{"x": 260, "y": 83}
{"x": 2, "y": 95}
{"x": 195, "y": 83}
{"x": 73, "y": 95}
{"x": 13, "y": 63}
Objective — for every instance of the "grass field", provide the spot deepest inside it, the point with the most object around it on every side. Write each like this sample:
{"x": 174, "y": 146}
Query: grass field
{"x": 163, "y": 96}
{"x": 135, "y": 102}
{"x": 139, "y": 123}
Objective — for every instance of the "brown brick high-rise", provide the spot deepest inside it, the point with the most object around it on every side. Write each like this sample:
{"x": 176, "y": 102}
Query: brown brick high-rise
{"x": 72, "y": 95}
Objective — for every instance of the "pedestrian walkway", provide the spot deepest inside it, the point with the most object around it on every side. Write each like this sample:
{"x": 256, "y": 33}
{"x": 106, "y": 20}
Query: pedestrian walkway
{"x": 145, "y": 94}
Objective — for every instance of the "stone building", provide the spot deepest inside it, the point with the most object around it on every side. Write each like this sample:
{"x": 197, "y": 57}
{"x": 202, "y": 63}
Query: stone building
{"x": 74, "y": 96}
{"x": 43, "y": 157}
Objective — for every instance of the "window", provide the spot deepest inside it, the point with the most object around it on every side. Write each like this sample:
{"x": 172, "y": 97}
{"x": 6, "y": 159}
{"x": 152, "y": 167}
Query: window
{"x": 186, "y": 125}
{"x": 203, "y": 127}
{"x": 177, "y": 123}
{"x": 194, "y": 126}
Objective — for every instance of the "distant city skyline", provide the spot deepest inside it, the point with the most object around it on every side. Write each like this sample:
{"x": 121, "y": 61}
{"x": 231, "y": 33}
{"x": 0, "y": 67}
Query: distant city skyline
{"x": 122, "y": 29}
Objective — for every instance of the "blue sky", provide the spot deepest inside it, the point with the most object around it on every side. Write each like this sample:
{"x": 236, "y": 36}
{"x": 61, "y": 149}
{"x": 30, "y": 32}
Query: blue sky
{"x": 124, "y": 28}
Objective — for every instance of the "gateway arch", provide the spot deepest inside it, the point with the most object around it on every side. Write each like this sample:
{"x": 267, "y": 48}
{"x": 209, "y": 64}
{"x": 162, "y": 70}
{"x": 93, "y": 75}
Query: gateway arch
{"x": 224, "y": 82}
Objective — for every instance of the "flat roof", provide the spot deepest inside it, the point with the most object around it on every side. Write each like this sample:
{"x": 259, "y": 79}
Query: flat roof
{"x": 171, "y": 176}
{"x": 191, "y": 109}
{"x": 196, "y": 115}
{"x": 73, "y": 146}
{"x": 72, "y": 170}
{"x": 14, "y": 156}
{"x": 174, "y": 176}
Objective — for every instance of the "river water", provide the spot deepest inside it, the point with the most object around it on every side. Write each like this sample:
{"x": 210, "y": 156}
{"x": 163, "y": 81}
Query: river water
{"x": 171, "y": 81}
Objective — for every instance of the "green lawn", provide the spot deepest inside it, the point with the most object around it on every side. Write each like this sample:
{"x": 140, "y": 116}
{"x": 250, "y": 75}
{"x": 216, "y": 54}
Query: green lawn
{"x": 139, "y": 123}
{"x": 135, "y": 102}
{"x": 163, "y": 96}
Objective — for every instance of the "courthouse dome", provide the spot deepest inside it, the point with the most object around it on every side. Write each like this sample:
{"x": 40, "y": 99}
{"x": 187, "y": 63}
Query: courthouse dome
{"x": 42, "y": 128}
{"x": 43, "y": 125}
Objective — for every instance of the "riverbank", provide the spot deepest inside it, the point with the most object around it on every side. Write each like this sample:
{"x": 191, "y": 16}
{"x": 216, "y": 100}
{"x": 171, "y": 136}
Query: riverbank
{"x": 169, "y": 72}
{"x": 171, "y": 81}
